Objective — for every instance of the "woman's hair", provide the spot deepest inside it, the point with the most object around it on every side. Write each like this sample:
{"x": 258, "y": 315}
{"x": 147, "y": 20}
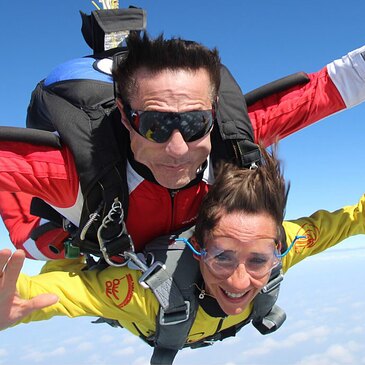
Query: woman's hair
{"x": 156, "y": 55}
{"x": 252, "y": 191}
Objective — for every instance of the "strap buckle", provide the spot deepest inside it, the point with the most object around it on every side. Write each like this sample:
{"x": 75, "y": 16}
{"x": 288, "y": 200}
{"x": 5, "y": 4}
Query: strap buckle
{"x": 169, "y": 319}
{"x": 157, "y": 265}
{"x": 273, "y": 283}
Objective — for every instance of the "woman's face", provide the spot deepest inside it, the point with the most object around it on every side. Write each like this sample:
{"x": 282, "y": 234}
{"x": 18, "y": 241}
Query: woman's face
{"x": 240, "y": 256}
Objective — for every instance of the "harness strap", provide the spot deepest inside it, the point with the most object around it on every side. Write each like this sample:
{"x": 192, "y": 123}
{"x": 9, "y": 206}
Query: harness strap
{"x": 163, "y": 356}
{"x": 267, "y": 317}
{"x": 233, "y": 136}
{"x": 275, "y": 87}
{"x": 28, "y": 135}
{"x": 171, "y": 277}
{"x": 165, "y": 290}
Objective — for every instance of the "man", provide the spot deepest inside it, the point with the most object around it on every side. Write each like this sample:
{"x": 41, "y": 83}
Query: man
{"x": 162, "y": 83}
{"x": 236, "y": 244}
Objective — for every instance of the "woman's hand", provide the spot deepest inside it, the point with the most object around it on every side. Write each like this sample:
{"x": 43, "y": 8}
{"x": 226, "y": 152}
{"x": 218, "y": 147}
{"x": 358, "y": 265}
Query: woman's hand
{"x": 12, "y": 307}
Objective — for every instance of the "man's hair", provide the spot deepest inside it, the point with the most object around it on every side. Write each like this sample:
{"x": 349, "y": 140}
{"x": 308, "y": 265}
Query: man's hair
{"x": 252, "y": 191}
{"x": 156, "y": 55}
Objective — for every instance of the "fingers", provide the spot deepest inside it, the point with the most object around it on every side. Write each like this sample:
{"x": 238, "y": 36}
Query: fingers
{"x": 13, "y": 308}
{"x": 10, "y": 267}
{"x": 42, "y": 301}
{"x": 4, "y": 257}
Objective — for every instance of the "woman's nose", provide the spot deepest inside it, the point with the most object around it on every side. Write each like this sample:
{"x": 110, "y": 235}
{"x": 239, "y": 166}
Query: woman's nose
{"x": 240, "y": 279}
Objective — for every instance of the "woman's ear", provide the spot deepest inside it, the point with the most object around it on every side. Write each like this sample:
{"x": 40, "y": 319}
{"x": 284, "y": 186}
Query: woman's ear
{"x": 196, "y": 245}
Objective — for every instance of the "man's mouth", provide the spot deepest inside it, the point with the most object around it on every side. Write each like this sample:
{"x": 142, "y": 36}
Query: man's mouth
{"x": 174, "y": 166}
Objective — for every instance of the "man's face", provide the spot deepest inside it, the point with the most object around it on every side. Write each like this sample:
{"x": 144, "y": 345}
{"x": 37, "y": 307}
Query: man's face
{"x": 240, "y": 256}
{"x": 175, "y": 162}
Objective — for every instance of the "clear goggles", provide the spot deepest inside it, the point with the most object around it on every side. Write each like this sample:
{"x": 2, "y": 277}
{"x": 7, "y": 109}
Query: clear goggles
{"x": 223, "y": 263}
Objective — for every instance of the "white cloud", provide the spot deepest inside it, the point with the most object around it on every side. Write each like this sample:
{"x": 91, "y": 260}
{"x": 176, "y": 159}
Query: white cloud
{"x": 141, "y": 361}
{"x": 72, "y": 340}
{"x": 85, "y": 346}
{"x": 129, "y": 339}
{"x": 340, "y": 354}
{"x": 358, "y": 330}
{"x": 130, "y": 350}
{"x": 357, "y": 304}
{"x": 231, "y": 341}
{"x": 38, "y": 356}
{"x": 336, "y": 354}
{"x": 294, "y": 339}
{"x": 4, "y": 356}
{"x": 96, "y": 359}
{"x": 107, "y": 338}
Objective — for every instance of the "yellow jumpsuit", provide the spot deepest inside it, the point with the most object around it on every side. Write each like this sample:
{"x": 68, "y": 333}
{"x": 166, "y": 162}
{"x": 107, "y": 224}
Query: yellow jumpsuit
{"x": 115, "y": 292}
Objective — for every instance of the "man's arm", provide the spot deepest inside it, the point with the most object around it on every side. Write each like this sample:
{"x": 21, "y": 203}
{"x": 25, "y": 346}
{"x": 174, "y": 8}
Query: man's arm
{"x": 42, "y": 171}
{"x": 40, "y": 239}
{"x": 336, "y": 87}
{"x": 12, "y": 307}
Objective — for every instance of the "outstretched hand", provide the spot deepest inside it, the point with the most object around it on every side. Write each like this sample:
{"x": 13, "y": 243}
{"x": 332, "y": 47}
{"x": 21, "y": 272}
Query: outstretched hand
{"x": 12, "y": 307}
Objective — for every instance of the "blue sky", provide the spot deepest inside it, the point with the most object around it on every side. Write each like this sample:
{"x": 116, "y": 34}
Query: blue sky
{"x": 259, "y": 42}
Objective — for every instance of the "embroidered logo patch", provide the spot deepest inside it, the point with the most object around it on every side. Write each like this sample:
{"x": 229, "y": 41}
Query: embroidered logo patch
{"x": 311, "y": 232}
{"x": 120, "y": 290}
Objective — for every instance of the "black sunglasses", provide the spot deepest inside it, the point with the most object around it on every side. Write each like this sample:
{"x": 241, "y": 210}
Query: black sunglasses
{"x": 158, "y": 126}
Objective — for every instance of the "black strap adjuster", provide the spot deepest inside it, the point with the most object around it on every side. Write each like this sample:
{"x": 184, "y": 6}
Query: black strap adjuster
{"x": 176, "y": 317}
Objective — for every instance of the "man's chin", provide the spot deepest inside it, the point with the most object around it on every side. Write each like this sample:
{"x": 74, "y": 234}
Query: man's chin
{"x": 174, "y": 182}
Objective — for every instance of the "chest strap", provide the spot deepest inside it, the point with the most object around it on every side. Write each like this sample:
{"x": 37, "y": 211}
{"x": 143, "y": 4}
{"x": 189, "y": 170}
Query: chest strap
{"x": 170, "y": 275}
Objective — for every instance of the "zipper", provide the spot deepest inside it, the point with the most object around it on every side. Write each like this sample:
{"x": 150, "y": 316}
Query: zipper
{"x": 172, "y": 196}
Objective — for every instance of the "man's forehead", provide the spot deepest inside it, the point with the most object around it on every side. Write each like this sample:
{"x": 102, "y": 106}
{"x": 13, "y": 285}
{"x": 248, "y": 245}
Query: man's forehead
{"x": 173, "y": 90}
{"x": 144, "y": 73}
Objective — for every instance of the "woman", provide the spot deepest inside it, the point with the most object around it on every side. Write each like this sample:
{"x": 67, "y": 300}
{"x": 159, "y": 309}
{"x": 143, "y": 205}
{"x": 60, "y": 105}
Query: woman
{"x": 236, "y": 246}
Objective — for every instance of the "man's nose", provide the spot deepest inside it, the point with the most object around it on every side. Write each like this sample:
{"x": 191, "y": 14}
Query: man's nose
{"x": 176, "y": 146}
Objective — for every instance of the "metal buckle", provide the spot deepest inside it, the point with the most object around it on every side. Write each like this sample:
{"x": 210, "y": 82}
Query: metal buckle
{"x": 163, "y": 321}
{"x": 116, "y": 214}
{"x": 151, "y": 270}
{"x": 273, "y": 284}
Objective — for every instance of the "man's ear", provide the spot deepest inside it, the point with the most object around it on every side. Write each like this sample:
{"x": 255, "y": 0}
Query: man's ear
{"x": 123, "y": 115}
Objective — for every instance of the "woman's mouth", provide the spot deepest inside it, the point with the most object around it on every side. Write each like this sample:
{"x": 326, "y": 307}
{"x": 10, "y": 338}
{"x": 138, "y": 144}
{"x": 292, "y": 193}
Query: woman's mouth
{"x": 234, "y": 295}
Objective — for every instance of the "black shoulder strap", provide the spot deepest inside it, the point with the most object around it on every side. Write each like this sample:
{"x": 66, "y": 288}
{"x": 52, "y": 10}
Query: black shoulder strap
{"x": 27, "y": 135}
{"x": 232, "y": 137}
{"x": 266, "y": 316}
{"x": 277, "y": 86}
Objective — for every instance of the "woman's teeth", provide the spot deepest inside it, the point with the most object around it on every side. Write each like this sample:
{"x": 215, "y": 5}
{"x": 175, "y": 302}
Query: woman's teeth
{"x": 234, "y": 295}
